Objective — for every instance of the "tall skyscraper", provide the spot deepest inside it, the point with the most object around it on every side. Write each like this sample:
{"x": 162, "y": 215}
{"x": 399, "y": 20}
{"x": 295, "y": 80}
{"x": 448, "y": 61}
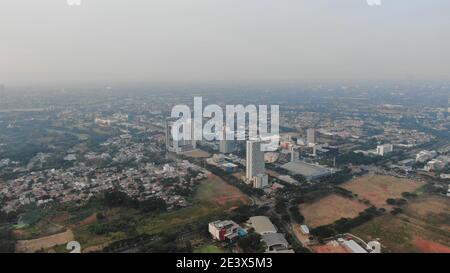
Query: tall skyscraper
{"x": 311, "y": 136}
{"x": 181, "y": 145}
{"x": 226, "y": 146}
{"x": 255, "y": 170}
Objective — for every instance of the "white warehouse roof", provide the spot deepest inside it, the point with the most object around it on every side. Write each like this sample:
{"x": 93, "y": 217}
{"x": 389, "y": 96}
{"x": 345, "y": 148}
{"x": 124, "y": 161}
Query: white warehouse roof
{"x": 262, "y": 225}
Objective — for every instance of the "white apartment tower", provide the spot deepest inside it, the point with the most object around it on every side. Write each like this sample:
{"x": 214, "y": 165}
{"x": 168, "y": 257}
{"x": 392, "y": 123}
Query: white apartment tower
{"x": 384, "y": 149}
{"x": 311, "y": 136}
{"x": 255, "y": 170}
{"x": 178, "y": 146}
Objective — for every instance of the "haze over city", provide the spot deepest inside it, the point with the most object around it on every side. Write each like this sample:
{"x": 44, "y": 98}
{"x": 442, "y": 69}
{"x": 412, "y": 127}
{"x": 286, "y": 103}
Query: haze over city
{"x": 174, "y": 41}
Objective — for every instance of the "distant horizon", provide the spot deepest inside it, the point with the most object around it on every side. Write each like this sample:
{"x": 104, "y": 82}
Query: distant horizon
{"x": 227, "y": 84}
{"x": 223, "y": 41}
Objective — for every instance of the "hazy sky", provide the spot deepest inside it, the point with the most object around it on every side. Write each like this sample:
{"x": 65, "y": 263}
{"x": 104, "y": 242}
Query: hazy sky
{"x": 46, "y": 41}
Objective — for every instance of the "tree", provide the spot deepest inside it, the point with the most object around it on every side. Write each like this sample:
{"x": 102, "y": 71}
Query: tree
{"x": 118, "y": 198}
{"x": 7, "y": 242}
{"x": 252, "y": 243}
{"x": 153, "y": 204}
{"x": 322, "y": 232}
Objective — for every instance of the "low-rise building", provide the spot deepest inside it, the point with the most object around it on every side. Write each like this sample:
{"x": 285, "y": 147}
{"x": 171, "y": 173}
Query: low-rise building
{"x": 225, "y": 230}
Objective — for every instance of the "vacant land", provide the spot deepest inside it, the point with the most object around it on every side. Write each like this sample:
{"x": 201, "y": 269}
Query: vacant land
{"x": 196, "y": 154}
{"x": 209, "y": 249}
{"x": 214, "y": 196}
{"x": 330, "y": 247}
{"x": 378, "y": 188}
{"x": 423, "y": 227}
{"x": 434, "y": 210}
{"x": 331, "y": 208}
{"x": 44, "y": 242}
{"x": 217, "y": 191}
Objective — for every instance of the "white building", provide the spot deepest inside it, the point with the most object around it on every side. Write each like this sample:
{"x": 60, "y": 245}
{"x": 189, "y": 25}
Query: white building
{"x": 255, "y": 162}
{"x": 262, "y": 225}
{"x": 424, "y": 156}
{"x": 181, "y": 145}
{"x": 260, "y": 181}
{"x": 311, "y": 136}
{"x": 384, "y": 149}
{"x": 224, "y": 230}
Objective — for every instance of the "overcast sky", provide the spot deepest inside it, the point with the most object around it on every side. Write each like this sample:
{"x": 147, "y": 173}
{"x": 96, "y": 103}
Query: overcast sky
{"x": 46, "y": 41}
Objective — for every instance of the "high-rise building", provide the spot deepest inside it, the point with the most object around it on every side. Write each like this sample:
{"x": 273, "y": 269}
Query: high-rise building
{"x": 181, "y": 145}
{"x": 311, "y": 136}
{"x": 260, "y": 181}
{"x": 255, "y": 164}
{"x": 294, "y": 154}
{"x": 226, "y": 146}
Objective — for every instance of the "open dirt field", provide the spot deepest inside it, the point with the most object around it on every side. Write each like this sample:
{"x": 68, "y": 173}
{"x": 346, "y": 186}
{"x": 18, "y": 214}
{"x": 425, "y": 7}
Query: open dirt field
{"x": 197, "y": 154}
{"x": 329, "y": 209}
{"x": 217, "y": 191}
{"x": 87, "y": 221}
{"x": 427, "y": 246}
{"x": 423, "y": 227}
{"x": 377, "y": 188}
{"x": 44, "y": 242}
{"x": 331, "y": 247}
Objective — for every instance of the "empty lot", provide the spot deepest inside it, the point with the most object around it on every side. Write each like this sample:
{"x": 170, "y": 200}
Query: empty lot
{"x": 331, "y": 208}
{"x": 423, "y": 227}
{"x": 44, "y": 242}
{"x": 378, "y": 188}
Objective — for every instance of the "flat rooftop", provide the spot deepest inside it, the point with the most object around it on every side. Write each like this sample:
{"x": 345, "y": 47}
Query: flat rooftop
{"x": 309, "y": 171}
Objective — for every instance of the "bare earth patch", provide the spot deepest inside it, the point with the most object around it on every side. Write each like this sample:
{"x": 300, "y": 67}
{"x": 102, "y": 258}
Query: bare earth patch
{"x": 34, "y": 245}
{"x": 423, "y": 227}
{"x": 196, "y": 154}
{"x": 378, "y": 188}
{"x": 331, "y": 208}
{"x": 429, "y": 246}
{"x": 329, "y": 248}
{"x": 221, "y": 193}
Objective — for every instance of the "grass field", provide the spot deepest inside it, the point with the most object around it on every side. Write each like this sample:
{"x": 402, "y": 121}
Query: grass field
{"x": 212, "y": 197}
{"x": 423, "y": 227}
{"x": 377, "y": 188}
{"x": 329, "y": 209}
{"x": 196, "y": 154}
{"x": 209, "y": 249}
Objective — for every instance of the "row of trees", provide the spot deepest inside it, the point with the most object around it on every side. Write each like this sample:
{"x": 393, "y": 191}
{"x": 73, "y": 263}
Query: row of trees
{"x": 344, "y": 225}
{"x": 121, "y": 199}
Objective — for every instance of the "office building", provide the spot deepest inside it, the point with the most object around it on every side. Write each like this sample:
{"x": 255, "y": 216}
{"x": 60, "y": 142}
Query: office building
{"x": 311, "y": 136}
{"x": 254, "y": 160}
{"x": 180, "y": 145}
